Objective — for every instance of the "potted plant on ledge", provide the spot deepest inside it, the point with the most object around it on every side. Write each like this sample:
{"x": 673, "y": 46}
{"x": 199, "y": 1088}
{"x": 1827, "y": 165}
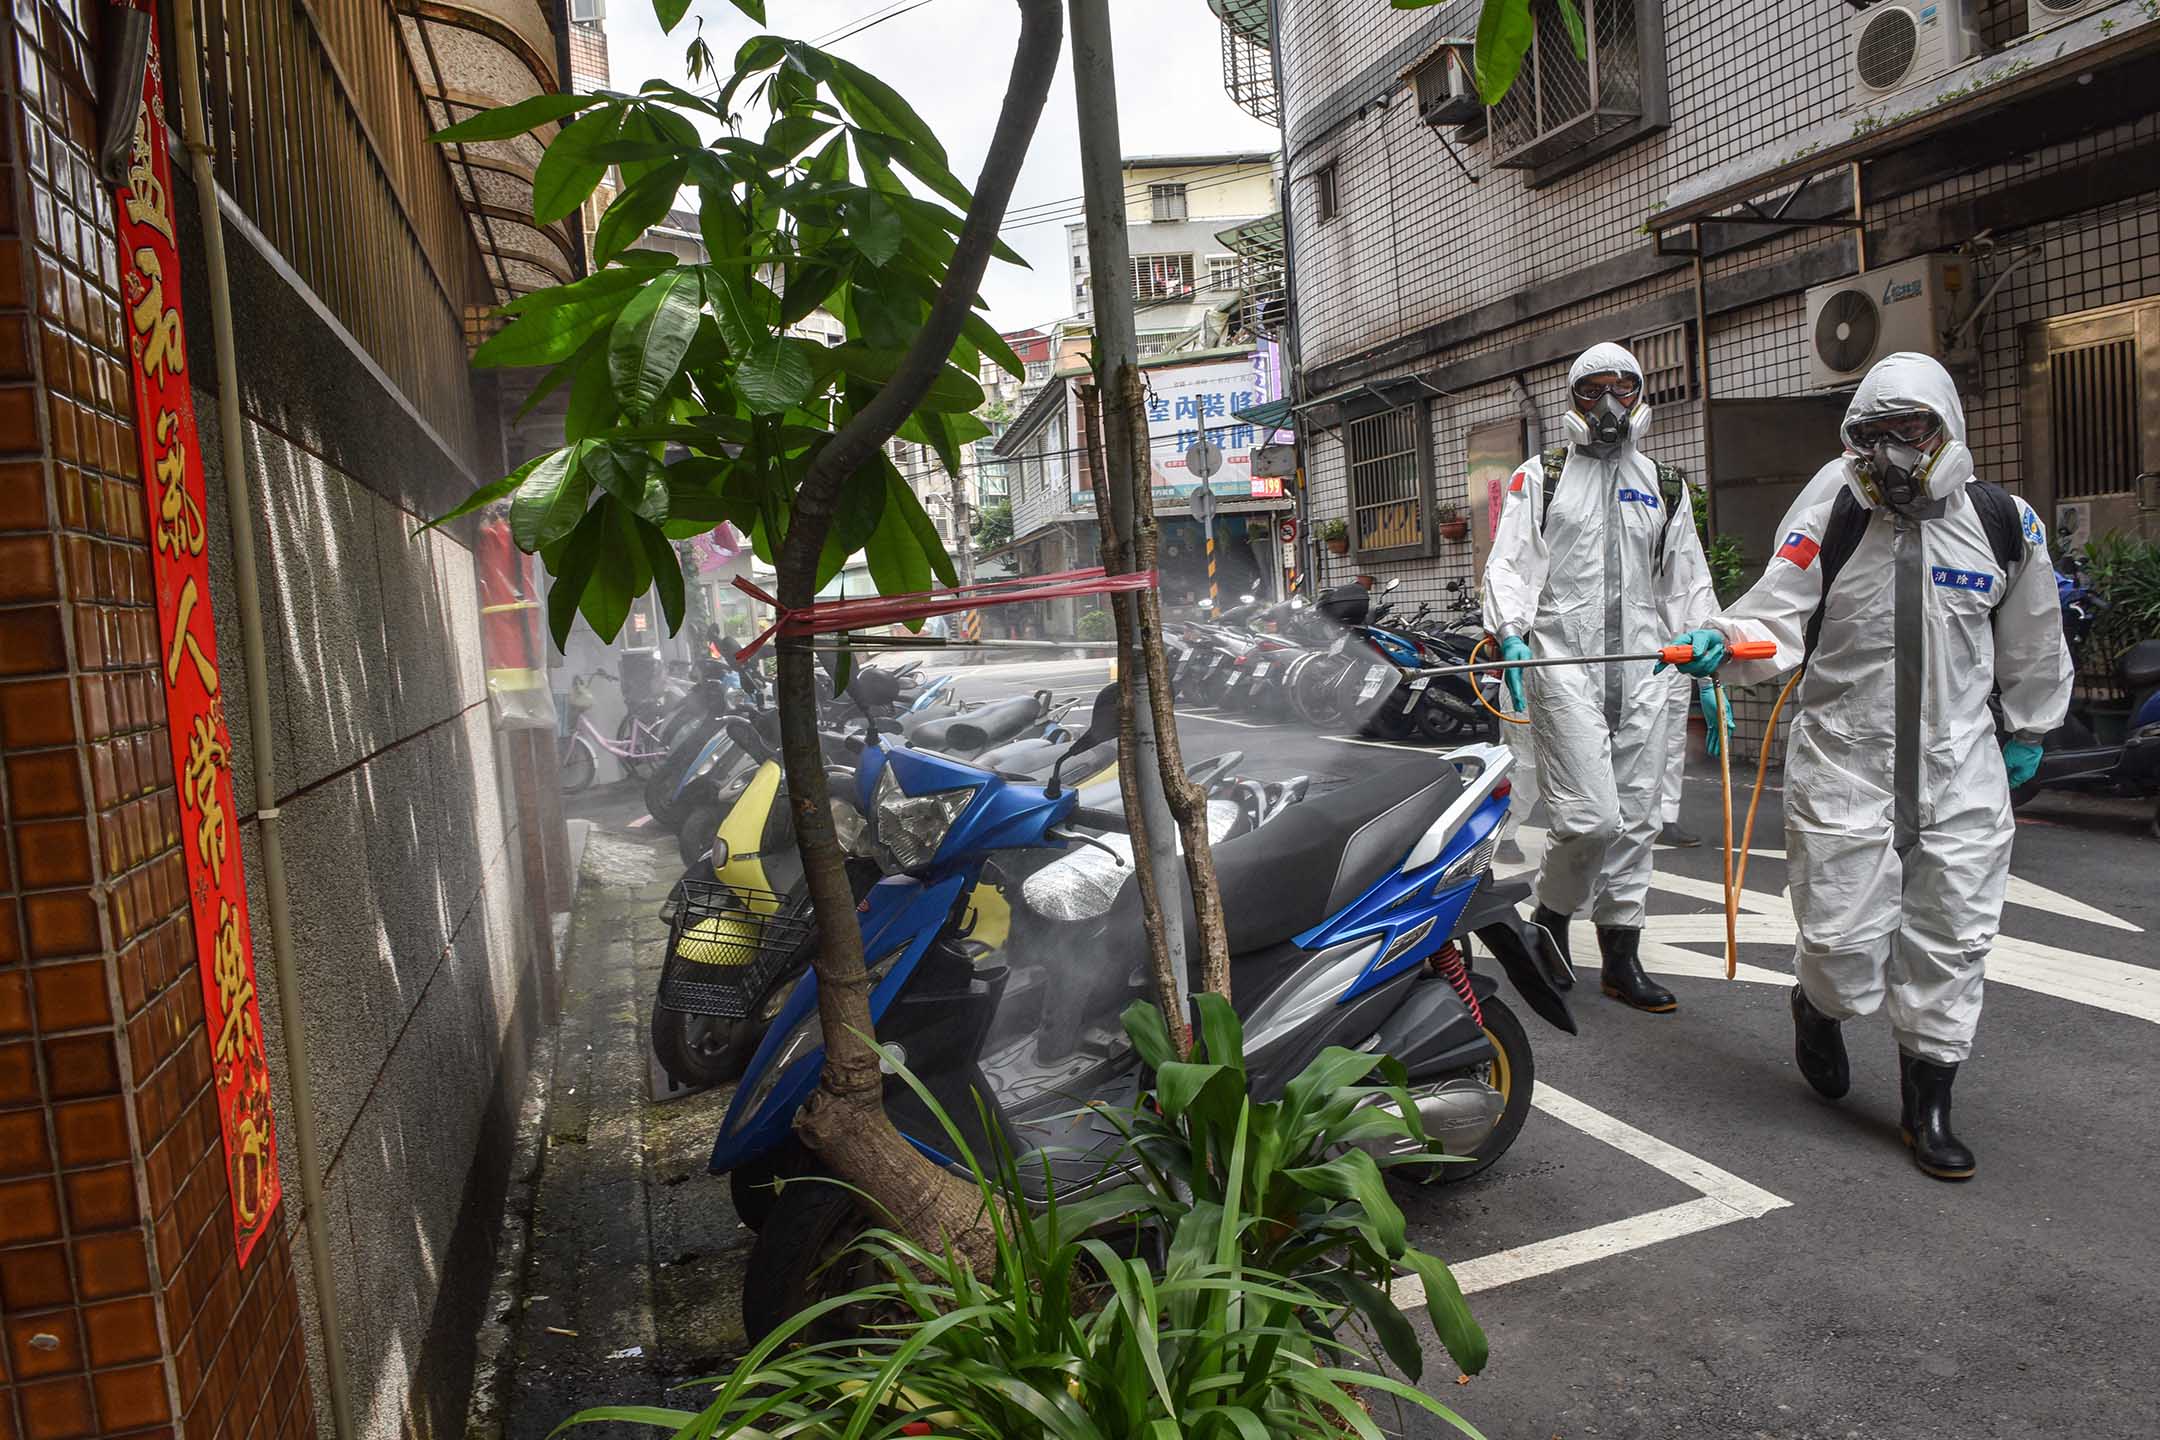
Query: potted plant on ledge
{"x": 1452, "y": 524}
{"x": 1337, "y": 536}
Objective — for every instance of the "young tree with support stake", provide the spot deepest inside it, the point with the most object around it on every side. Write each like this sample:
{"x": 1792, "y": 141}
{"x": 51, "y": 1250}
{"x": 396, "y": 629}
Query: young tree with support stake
{"x": 784, "y": 437}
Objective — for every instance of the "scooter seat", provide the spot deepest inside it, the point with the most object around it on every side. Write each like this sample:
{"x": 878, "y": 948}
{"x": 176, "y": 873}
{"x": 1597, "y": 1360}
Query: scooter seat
{"x": 1317, "y": 856}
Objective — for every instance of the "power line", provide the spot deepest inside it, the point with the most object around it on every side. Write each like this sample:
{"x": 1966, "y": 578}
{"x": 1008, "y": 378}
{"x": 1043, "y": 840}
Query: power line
{"x": 869, "y": 24}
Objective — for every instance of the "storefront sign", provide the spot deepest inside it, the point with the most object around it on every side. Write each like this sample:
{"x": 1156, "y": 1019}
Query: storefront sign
{"x": 171, "y": 450}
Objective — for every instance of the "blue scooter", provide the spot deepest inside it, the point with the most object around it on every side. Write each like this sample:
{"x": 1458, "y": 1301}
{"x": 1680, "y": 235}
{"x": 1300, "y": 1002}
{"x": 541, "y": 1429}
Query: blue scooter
{"x": 2102, "y": 747}
{"x": 1349, "y": 918}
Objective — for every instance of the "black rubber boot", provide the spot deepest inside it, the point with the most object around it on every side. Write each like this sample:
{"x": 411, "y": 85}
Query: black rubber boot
{"x": 1624, "y": 979}
{"x": 1559, "y": 964}
{"x": 1819, "y": 1048}
{"x": 1926, "y": 1119}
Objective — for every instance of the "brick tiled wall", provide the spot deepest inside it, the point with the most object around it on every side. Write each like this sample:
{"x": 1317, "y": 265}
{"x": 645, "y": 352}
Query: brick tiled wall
{"x": 122, "y": 1308}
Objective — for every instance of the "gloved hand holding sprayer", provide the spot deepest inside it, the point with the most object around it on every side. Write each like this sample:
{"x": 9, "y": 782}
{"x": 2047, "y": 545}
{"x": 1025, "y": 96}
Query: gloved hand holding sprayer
{"x": 1909, "y": 595}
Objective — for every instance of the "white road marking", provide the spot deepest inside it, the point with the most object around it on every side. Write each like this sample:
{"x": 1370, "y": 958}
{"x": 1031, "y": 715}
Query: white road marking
{"x": 1380, "y": 744}
{"x": 1724, "y": 1198}
{"x": 2035, "y": 896}
{"x": 1222, "y": 720}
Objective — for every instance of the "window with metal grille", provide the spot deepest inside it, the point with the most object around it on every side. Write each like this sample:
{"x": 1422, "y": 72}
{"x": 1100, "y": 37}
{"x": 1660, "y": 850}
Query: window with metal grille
{"x": 1158, "y": 277}
{"x": 2094, "y": 419}
{"x": 1324, "y": 191}
{"x": 1222, "y": 272}
{"x": 588, "y": 12}
{"x": 1166, "y": 202}
{"x": 1668, "y": 362}
{"x": 1388, "y": 469}
{"x": 1565, "y": 106}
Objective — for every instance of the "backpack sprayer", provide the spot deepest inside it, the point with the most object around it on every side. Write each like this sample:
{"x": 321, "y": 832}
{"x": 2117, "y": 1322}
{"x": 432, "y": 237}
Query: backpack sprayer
{"x": 1735, "y": 875}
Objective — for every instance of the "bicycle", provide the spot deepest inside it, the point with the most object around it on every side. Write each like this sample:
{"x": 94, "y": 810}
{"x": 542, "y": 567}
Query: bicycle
{"x": 640, "y": 740}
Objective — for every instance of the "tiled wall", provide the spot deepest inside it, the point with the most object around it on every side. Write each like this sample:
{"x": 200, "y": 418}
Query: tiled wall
{"x": 122, "y": 1308}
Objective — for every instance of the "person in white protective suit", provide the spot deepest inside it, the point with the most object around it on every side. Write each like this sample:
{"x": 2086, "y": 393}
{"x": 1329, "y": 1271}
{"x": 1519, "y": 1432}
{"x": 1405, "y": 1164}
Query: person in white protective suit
{"x": 1596, "y": 553}
{"x": 1684, "y": 694}
{"x": 1910, "y": 595}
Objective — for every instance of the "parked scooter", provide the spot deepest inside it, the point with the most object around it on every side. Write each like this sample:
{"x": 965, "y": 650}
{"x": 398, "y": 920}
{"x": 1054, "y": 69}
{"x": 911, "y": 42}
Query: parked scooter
{"x": 1348, "y": 919}
{"x": 2102, "y": 746}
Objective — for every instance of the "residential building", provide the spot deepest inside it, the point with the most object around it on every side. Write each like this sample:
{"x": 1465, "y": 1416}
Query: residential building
{"x": 1185, "y": 281}
{"x": 1758, "y": 198}
{"x": 155, "y": 1263}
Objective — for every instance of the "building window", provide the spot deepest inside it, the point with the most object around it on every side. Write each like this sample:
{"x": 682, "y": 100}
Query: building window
{"x": 1565, "y": 109}
{"x": 1079, "y": 261}
{"x": 1222, "y": 272}
{"x": 2094, "y": 418}
{"x": 1668, "y": 363}
{"x": 1324, "y": 191}
{"x": 1160, "y": 277}
{"x": 1036, "y": 370}
{"x": 1166, "y": 203}
{"x": 1388, "y": 468}
{"x": 588, "y": 12}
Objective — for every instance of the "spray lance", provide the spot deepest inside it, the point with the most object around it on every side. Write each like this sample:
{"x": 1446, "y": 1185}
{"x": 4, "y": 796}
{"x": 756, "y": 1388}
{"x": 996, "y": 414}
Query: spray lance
{"x": 1735, "y": 875}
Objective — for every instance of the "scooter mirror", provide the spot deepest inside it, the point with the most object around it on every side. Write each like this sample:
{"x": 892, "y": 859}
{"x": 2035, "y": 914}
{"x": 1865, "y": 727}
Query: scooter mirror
{"x": 1390, "y": 586}
{"x": 1204, "y": 604}
{"x": 1247, "y": 599}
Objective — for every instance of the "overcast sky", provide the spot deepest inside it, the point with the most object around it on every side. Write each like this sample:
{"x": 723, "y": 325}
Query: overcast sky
{"x": 950, "y": 58}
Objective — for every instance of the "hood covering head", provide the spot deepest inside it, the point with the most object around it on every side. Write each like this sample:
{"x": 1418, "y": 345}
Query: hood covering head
{"x": 1597, "y": 360}
{"x": 1903, "y": 382}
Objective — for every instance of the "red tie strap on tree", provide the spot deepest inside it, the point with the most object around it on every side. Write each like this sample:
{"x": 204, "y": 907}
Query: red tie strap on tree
{"x": 830, "y": 617}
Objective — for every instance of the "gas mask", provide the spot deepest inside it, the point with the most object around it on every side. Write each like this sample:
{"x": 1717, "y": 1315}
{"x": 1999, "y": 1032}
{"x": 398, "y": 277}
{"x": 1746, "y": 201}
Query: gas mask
{"x": 1893, "y": 455}
{"x": 1899, "y": 473}
{"x": 1606, "y": 411}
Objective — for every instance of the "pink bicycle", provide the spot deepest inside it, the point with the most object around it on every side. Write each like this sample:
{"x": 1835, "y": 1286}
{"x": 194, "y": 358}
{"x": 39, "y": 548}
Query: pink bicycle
{"x": 638, "y": 742}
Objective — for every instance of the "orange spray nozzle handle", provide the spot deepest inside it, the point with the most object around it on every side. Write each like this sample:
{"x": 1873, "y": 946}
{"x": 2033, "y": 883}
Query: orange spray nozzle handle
{"x": 1744, "y": 650}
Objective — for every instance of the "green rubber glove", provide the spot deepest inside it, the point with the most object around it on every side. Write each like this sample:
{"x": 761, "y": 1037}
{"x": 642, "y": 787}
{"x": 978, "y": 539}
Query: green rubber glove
{"x": 2021, "y": 759}
{"x": 1709, "y": 648}
{"x": 1714, "y": 718}
{"x": 1514, "y": 648}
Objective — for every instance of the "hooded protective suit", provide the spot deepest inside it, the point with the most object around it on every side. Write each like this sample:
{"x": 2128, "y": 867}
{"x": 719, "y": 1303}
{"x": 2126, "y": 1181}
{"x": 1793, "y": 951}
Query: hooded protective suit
{"x": 1897, "y": 813}
{"x": 1587, "y": 579}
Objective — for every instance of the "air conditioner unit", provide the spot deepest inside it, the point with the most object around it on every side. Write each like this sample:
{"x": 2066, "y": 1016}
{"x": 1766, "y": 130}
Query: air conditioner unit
{"x": 2040, "y": 14}
{"x": 1913, "y": 305}
{"x": 1896, "y": 45}
{"x": 1446, "y": 95}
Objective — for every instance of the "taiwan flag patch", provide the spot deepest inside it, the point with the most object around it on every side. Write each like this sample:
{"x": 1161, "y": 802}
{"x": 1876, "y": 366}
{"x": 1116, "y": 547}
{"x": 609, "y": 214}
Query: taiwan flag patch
{"x": 1515, "y": 485}
{"x": 1799, "y": 549}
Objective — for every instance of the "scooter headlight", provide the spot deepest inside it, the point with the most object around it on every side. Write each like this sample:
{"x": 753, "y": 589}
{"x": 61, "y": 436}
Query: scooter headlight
{"x": 908, "y": 829}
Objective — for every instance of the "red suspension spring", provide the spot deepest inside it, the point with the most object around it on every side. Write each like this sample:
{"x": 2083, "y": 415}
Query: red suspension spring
{"x": 1447, "y": 962}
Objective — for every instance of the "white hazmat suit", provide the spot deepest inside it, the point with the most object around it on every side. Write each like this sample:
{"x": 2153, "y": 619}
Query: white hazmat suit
{"x": 1897, "y": 809}
{"x": 1592, "y": 578}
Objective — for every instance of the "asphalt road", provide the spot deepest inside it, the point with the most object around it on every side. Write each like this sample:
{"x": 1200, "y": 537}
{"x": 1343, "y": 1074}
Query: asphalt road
{"x": 1686, "y": 1241}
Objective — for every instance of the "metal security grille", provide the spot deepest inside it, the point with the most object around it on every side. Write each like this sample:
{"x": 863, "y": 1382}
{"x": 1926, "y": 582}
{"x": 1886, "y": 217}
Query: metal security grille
{"x": 1158, "y": 277}
{"x": 1561, "y": 102}
{"x": 1166, "y": 203}
{"x": 2093, "y": 419}
{"x": 1668, "y": 363}
{"x": 1387, "y": 492}
{"x": 1248, "y": 61}
{"x": 1888, "y": 44}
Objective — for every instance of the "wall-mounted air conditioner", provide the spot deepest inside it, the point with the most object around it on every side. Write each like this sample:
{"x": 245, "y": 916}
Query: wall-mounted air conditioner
{"x": 1908, "y": 43}
{"x": 1913, "y": 305}
{"x": 1446, "y": 94}
{"x": 2040, "y": 14}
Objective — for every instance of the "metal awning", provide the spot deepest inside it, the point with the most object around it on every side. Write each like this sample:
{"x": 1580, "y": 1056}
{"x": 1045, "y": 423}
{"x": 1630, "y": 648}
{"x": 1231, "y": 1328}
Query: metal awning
{"x": 474, "y": 55}
{"x": 1366, "y": 397}
{"x": 1272, "y": 415}
{"x": 2061, "y": 57}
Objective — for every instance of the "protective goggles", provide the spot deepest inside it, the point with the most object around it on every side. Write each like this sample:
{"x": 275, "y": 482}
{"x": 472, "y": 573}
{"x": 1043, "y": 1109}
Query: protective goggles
{"x": 1589, "y": 390}
{"x": 1916, "y": 428}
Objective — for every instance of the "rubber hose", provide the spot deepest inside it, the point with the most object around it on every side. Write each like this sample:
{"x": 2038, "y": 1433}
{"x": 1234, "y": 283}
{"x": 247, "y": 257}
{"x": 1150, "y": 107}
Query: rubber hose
{"x": 1475, "y": 690}
{"x": 1736, "y": 873}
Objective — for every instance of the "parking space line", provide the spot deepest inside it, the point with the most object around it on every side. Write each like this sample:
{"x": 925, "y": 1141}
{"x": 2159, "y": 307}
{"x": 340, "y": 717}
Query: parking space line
{"x": 1221, "y": 720}
{"x": 1722, "y": 1198}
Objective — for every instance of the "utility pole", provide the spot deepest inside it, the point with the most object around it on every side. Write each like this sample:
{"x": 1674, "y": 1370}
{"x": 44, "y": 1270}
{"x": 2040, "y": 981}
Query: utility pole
{"x": 1117, "y": 355}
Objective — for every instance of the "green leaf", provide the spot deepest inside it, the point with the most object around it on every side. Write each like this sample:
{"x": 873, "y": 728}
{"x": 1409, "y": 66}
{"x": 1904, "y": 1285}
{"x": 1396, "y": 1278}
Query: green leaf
{"x": 755, "y": 9}
{"x": 1451, "y": 1318}
{"x": 506, "y": 121}
{"x": 551, "y": 335}
{"x": 646, "y": 347}
{"x": 874, "y": 227}
{"x": 620, "y": 577}
{"x": 670, "y": 12}
{"x": 485, "y": 496}
{"x": 898, "y": 563}
{"x": 775, "y": 375}
{"x": 633, "y": 477}
{"x": 592, "y": 408}
{"x": 1149, "y": 1033}
{"x": 874, "y": 105}
{"x": 551, "y": 500}
{"x": 740, "y": 306}
{"x": 1504, "y": 32}
{"x": 662, "y": 561}
{"x": 1571, "y": 21}
{"x": 1393, "y": 1328}
{"x": 1353, "y": 1176}
{"x": 573, "y": 570}
{"x": 661, "y": 134}
{"x": 567, "y": 173}
{"x": 1221, "y": 1031}
{"x": 1180, "y": 1083}
{"x": 637, "y": 210}
{"x": 898, "y": 497}
{"x": 992, "y": 345}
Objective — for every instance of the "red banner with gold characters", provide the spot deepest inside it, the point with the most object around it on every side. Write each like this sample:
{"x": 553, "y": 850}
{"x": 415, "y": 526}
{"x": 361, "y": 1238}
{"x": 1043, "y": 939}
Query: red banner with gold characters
{"x": 194, "y": 701}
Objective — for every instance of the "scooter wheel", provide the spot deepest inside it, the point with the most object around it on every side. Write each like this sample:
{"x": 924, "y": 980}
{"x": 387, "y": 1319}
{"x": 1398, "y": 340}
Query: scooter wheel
{"x": 753, "y": 1187}
{"x": 698, "y": 1051}
{"x": 1513, "y": 1072}
{"x": 694, "y": 837}
{"x": 802, "y": 1256}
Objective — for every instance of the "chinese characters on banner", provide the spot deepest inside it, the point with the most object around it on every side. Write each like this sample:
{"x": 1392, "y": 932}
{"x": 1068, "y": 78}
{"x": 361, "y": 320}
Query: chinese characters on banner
{"x": 171, "y": 451}
{"x": 1183, "y": 399}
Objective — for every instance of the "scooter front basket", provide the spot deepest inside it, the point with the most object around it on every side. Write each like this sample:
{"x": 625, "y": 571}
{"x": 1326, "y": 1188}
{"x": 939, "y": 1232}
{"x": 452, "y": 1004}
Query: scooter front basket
{"x": 728, "y": 943}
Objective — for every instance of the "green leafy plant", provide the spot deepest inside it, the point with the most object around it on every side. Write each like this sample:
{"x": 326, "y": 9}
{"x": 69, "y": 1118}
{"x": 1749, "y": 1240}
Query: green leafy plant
{"x": 1333, "y": 530}
{"x": 1095, "y": 624}
{"x": 1305, "y": 1170}
{"x": 1728, "y": 564}
{"x": 2125, "y": 569}
{"x": 992, "y": 524}
{"x": 1134, "y": 1312}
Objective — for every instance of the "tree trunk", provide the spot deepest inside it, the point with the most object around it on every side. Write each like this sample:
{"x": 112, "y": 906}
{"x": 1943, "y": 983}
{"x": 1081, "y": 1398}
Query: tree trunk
{"x": 845, "y": 1121}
